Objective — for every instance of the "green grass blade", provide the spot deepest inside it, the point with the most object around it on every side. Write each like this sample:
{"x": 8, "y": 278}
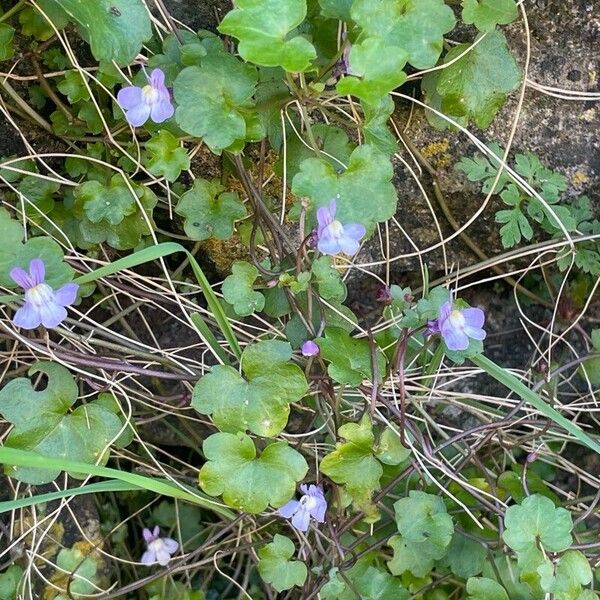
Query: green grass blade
{"x": 26, "y": 458}
{"x": 513, "y": 383}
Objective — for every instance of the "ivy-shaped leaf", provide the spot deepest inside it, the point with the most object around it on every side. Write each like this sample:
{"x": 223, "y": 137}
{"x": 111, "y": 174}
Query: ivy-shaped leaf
{"x": 263, "y": 28}
{"x": 13, "y": 253}
{"x": 35, "y": 24}
{"x": 73, "y": 87}
{"x": 275, "y": 566}
{"x": 375, "y": 70}
{"x": 115, "y": 29}
{"x": 565, "y": 580}
{"x": 75, "y": 573}
{"x": 350, "y": 359}
{"x": 486, "y": 14}
{"x": 7, "y": 33}
{"x": 390, "y": 450}
{"x": 9, "y": 582}
{"x": 353, "y": 464}
{"x": 43, "y": 424}
{"x": 209, "y": 211}
{"x": 369, "y": 581}
{"x": 465, "y": 556}
{"x": 246, "y": 482}
{"x": 259, "y": 403}
{"x": 328, "y": 279}
{"x": 166, "y": 157}
{"x": 238, "y": 289}
{"x": 110, "y": 213}
{"x": 364, "y": 192}
{"x": 477, "y": 85}
{"x": 426, "y": 530}
{"x": 415, "y": 26}
{"x": 537, "y": 520}
{"x": 213, "y": 99}
{"x": 481, "y": 588}
{"x": 38, "y": 193}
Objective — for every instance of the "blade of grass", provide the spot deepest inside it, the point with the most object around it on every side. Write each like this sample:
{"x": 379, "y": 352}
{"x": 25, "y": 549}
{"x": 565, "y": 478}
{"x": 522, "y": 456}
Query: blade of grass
{"x": 26, "y": 458}
{"x": 160, "y": 251}
{"x": 513, "y": 383}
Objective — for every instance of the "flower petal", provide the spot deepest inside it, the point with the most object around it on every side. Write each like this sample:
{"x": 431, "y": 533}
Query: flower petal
{"x": 324, "y": 218}
{"x": 301, "y": 520}
{"x": 37, "y": 271}
{"x": 355, "y": 230}
{"x": 149, "y": 557}
{"x": 52, "y": 314}
{"x": 318, "y": 512}
{"x": 329, "y": 245}
{"x": 66, "y": 295}
{"x": 157, "y": 78}
{"x": 288, "y": 510}
{"x": 148, "y": 537}
{"x": 171, "y": 546}
{"x": 474, "y": 317}
{"x": 156, "y": 531}
{"x": 445, "y": 310}
{"x": 475, "y": 332}
{"x": 138, "y": 115}
{"x": 455, "y": 339}
{"x": 161, "y": 111}
{"x": 27, "y": 317}
{"x": 348, "y": 245}
{"x": 163, "y": 557}
{"x": 129, "y": 97}
{"x": 21, "y": 278}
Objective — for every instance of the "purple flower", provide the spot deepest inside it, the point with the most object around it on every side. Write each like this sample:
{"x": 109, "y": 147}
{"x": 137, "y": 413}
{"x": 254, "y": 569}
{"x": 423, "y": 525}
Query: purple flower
{"x": 152, "y": 101}
{"x": 309, "y": 348}
{"x": 42, "y": 305}
{"x": 159, "y": 549}
{"x": 333, "y": 237}
{"x": 312, "y": 504}
{"x": 459, "y": 324}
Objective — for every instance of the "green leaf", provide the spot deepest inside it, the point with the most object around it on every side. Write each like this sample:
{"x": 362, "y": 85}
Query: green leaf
{"x": 486, "y": 14}
{"x": 565, "y": 581}
{"x": 465, "y": 556}
{"x": 259, "y": 403}
{"x": 33, "y": 23}
{"x": 375, "y": 70}
{"x": 115, "y": 29}
{"x": 425, "y": 532}
{"x": 364, "y": 192}
{"x": 275, "y": 566}
{"x": 375, "y": 125}
{"x": 43, "y": 424}
{"x": 39, "y": 193}
{"x": 415, "y": 26}
{"x": 185, "y": 516}
{"x": 73, "y": 87}
{"x": 238, "y": 289}
{"x": 477, "y": 85}
{"x": 6, "y": 42}
{"x": 481, "y": 588}
{"x": 209, "y": 211}
{"x": 246, "y": 482}
{"x": 350, "y": 359}
{"x": 331, "y": 140}
{"x": 111, "y": 213}
{"x": 537, "y": 520}
{"x": 80, "y": 569}
{"x": 336, "y": 9}
{"x": 353, "y": 464}
{"x": 213, "y": 99}
{"x": 329, "y": 281}
{"x": 516, "y": 226}
{"x": 167, "y": 158}
{"x": 263, "y": 28}
{"x": 9, "y": 582}
{"x": 390, "y": 450}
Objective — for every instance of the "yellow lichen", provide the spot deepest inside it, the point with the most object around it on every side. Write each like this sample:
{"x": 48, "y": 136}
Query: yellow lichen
{"x": 579, "y": 178}
{"x": 437, "y": 153}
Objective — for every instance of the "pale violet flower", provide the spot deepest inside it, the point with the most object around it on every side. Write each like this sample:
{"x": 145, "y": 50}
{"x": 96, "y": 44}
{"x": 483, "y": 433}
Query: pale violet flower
{"x": 43, "y": 305}
{"x": 151, "y": 101}
{"x": 333, "y": 237}
{"x": 312, "y": 504}
{"x": 159, "y": 550}
{"x": 309, "y": 348}
{"x": 457, "y": 325}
